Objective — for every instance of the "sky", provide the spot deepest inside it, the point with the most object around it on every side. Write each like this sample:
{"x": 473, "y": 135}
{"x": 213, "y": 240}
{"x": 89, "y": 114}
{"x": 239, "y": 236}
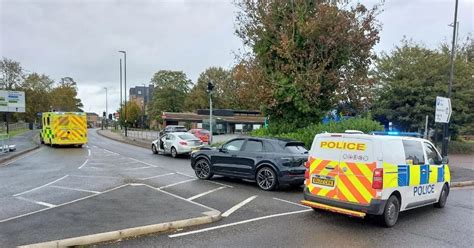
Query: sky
{"x": 81, "y": 38}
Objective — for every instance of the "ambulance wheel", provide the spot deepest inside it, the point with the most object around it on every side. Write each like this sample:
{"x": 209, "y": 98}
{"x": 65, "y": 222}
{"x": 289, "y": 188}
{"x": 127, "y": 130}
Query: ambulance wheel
{"x": 174, "y": 153}
{"x": 153, "y": 149}
{"x": 391, "y": 211}
{"x": 41, "y": 140}
{"x": 443, "y": 197}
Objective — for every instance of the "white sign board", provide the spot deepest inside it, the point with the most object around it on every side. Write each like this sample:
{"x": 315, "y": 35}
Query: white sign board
{"x": 239, "y": 126}
{"x": 443, "y": 109}
{"x": 12, "y": 101}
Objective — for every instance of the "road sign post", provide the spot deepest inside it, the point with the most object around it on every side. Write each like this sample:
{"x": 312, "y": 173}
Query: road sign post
{"x": 443, "y": 115}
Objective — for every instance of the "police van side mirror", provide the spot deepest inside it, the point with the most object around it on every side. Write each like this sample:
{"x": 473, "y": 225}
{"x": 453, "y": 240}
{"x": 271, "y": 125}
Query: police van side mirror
{"x": 445, "y": 160}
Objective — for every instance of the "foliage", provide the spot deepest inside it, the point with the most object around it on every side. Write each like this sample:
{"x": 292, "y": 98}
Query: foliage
{"x": 411, "y": 76}
{"x": 306, "y": 135}
{"x": 38, "y": 90}
{"x": 171, "y": 90}
{"x": 311, "y": 56}
{"x": 460, "y": 147}
{"x": 12, "y": 74}
{"x": 64, "y": 96}
{"x": 134, "y": 114}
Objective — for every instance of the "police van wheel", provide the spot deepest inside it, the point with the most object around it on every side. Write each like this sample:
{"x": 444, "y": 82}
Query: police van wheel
{"x": 391, "y": 211}
{"x": 443, "y": 197}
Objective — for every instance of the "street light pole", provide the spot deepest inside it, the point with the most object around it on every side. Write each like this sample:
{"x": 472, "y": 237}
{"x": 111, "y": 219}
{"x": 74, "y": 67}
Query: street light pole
{"x": 451, "y": 76}
{"x": 106, "y": 109}
{"x": 145, "y": 92}
{"x": 125, "y": 83}
{"x": 121, "y": 102}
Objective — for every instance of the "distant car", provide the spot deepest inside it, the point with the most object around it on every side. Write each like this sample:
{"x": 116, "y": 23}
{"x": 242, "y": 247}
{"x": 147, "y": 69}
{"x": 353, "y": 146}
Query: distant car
{"x": 202, "y": 134}
{"x": 174, "y": 128}
{"x": 270, "y": 162}
{"x": 176, "y": 144}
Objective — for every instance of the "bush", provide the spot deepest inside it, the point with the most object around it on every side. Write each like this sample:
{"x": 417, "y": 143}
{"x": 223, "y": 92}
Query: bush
{"x": 461, "y": 147}
{"x": 306, "y": 135}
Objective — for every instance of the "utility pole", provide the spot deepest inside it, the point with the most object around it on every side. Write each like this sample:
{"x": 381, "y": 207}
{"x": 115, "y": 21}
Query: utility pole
{"x": 210, "y": 87}
{"x": 106, "y": 109}
{"x": 125, "y": 83}
{"x": 145, "y": 92}
{"x": 121, "y": 102}
{"x": 451, "y": 76}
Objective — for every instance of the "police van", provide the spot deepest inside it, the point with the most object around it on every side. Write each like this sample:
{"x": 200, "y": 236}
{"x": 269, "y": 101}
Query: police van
{"x": 360, "y": 174}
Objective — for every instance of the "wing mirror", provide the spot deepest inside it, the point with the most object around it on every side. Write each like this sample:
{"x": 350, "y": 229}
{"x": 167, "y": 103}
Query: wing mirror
{"x": 222, "y": 149}
{"x": 445, "y": 160}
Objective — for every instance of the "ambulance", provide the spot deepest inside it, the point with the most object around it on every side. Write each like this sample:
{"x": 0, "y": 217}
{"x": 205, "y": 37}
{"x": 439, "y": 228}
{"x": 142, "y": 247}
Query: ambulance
{"x": 64, "y": 128}
{"x": 361, "y": 174}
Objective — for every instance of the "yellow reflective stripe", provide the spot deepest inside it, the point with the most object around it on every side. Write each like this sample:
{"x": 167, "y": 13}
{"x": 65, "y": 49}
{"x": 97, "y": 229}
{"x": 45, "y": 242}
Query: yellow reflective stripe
{"x": 447, "y": 174}
{"x": 414, "y": 175}
{"x": 433, "y": 174}
{"x": 345, "y": 191}
{"x": 359, "y": 186}
{"x": 390, "y": 175}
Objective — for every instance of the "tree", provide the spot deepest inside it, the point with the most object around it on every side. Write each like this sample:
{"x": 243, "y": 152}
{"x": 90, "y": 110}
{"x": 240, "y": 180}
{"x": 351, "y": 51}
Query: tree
{"x": 65, "y": 96}
{"x": 312, "y": 55}
{"x": 38, "y": 90}
{"x": 12, "y": 74}
{"x": 411, "y": 76}
{"x": 171, "y": 90}
{"x": 134, "y": 114}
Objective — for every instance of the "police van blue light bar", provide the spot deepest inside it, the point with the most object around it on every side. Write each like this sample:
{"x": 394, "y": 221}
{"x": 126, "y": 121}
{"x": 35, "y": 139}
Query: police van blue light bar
{"x": 396, "y": 133}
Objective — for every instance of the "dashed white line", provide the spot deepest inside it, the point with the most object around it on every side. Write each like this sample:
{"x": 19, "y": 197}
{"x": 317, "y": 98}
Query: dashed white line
{"x": 221, "y": 184}
{"x": 152, "y": 165}
{"x": 236, "y": 207}
{"x": 89, "y": 152}
{"x": 49, "y": 205}
{"x": 95, "y": 176}
{"x": 238, "y": 223}
{"x": 139, "y": 168}
{"x": 174, "y": 184}
{"x": 42, "y": 186}
{"x": 83, "y": 164}
{"x": 74, "y": 189}
{"x": 111, "y": 152}
{"x": 205, "y": 193}
{"x": 162, "y": 175}
{"x": 290, "y": 202}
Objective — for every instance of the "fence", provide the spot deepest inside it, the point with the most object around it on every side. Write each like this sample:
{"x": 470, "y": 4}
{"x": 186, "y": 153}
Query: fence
{"x": 142, "y": 134}
{"x": 13, "y": 126}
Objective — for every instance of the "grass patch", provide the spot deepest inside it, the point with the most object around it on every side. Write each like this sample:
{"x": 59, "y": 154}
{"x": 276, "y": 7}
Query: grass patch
{"x": 14, "y": 133}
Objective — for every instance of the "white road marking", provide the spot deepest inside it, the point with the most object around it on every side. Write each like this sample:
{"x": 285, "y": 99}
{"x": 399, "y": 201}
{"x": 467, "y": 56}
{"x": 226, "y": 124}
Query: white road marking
{"x": 22, "y": 157}
{"x": 42, "y": 186}
{"x": 236, "y": 207}
{"x": 94, "y": 176}
{"x": 111, "y": 152}
{"x": 139, "y": 168}
{"x": 205, "y": 193}
{"x": 152, "y": 165}
{"x": 93, "y": 167}
{"x": 37, "y": 202}
{"x": 238, "y": 223}
{"x": 60, "y": 205}
{"x": 174, "y": 184}
{"x": 162, "y": 175}
{"x": 290, "y": 202}
{"x": 83, "y": 164}
{"x": 89, "y": 152}
{"x": 74, "y": 189}
{"x": 184, "y": 174}
{"x": 209, "y": 181}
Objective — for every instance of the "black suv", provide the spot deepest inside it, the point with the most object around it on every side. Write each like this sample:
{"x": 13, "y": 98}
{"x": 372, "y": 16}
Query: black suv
{"x": 269, "y": 162}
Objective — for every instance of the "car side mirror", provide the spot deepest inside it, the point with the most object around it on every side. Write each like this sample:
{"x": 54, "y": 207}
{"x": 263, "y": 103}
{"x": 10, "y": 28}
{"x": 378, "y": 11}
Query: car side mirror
{"x": 445, "y": 160}
{"x": 222, "y": 149}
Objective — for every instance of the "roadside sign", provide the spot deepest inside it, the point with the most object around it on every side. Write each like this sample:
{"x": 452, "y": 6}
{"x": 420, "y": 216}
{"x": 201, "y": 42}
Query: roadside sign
{"x": 12, "y": 101}
{"x": 443, "y": 109}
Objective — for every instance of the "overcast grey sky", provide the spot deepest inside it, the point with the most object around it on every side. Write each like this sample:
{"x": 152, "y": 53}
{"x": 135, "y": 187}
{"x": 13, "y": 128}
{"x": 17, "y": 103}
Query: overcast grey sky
{"x": 80, "y": 38}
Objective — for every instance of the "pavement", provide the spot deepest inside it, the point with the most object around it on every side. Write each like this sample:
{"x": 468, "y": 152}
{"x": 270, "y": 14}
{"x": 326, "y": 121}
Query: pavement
{"x": 25, "y": 142}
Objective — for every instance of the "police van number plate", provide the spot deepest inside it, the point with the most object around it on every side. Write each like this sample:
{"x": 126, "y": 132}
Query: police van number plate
{"x": 323, "y": 181}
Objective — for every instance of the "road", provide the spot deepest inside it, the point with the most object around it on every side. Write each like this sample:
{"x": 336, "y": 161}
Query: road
{"x": 50, "y": 179}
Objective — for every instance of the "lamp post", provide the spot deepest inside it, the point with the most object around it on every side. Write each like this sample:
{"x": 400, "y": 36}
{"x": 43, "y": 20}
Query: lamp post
{"x": 106, "y": 110}
{"x": 145, "y": 92}
{"x": 121, "y": 102}
{"x": 125, "y": 84}
{"x": 451, "y": 76}
{"x": 210, "y": 87}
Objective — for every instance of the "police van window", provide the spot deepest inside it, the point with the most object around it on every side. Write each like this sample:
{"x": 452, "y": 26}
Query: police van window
{"x": 414, "y": 151}
{"x": 432, "y": 155}
{"x": 253, "y": 146}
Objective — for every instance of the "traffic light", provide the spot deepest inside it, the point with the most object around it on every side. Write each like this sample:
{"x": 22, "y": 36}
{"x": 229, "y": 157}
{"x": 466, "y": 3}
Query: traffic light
{"x": 103, "y": 114}
{"x": 210, "y": 86}
{"x": 110, "y": 116}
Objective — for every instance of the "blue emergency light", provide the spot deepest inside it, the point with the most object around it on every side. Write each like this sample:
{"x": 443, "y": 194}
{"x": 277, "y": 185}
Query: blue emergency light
{"x": 396, "y": 133}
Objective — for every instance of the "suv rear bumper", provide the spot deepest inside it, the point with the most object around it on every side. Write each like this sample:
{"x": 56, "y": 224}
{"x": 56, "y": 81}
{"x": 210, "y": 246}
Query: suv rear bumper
{"x": 376, "y": 206}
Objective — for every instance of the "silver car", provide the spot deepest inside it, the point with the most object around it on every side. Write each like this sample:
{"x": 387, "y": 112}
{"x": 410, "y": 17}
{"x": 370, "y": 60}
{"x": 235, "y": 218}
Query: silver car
{"x": 176, "y": 143}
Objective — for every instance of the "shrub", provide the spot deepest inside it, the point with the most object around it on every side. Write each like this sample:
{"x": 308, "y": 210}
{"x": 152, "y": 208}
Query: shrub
{"x": 306, "y": 135}
{"x": 460, "y": 147}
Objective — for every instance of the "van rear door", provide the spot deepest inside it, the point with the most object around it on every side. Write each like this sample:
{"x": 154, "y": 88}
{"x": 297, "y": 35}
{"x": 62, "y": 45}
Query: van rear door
{"x": 324, "y": 166}
{"x": 357, "y": 165}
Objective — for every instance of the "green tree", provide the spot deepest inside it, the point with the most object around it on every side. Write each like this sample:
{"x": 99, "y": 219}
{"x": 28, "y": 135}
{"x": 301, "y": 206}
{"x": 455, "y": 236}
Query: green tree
{"x": 64, "y": 96}
{"x": 38, "y": 90}
{"x": 134, "y": 114}
{"x": 171, "y": 90}
{"x": 312, "y": 55}
{"x": 411, "y": 76}
{"x": 12, "y": 74}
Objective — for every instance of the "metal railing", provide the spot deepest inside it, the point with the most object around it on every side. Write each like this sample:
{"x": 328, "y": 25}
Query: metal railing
{"x": 13, "y": 126}
{"x": 4, "y": 143}
{"x": 142, "y": 134}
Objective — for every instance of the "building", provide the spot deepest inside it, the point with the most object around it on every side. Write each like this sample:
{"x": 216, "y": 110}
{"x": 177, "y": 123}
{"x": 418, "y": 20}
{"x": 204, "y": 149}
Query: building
{"x": 93, "y": 119}
{"x": 224, "y": 120}
{"x": 141, "y": 95}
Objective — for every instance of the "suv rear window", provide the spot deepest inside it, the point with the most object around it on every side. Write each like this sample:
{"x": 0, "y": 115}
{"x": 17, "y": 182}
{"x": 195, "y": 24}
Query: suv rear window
{"x": 297, "y": 149}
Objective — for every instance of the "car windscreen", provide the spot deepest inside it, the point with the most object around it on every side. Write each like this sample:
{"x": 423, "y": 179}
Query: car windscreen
{"x": 187, "y": 136}
{"x": 296, "y": 148}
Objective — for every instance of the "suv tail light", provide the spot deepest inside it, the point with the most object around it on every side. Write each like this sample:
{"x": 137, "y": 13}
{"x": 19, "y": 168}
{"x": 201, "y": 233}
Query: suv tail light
{"x": 183, "y": 143}
{"x": 306, "y": 174}
{"x": 377, "y": 182}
